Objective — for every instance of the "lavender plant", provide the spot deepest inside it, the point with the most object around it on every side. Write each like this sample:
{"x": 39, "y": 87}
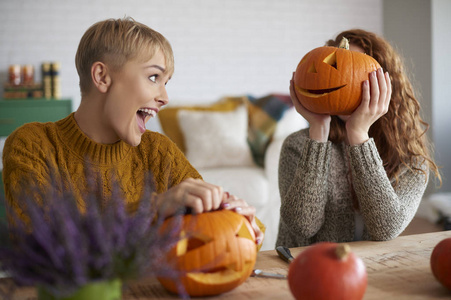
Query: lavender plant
{"x": 62, "y": 247}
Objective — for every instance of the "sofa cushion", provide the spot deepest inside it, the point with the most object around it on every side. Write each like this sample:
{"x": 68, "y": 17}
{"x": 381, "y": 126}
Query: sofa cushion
{"x": 264, "y": 115}
{"x": 170, "y": 124}
{"x": 216, "y": 139}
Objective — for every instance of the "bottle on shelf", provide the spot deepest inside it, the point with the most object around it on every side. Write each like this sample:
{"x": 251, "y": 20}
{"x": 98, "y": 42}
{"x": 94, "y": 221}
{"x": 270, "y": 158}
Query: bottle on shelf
{"x": 56, "y": 82}
{"x": 46, "y": 80}
{"x": 15, "y": 75}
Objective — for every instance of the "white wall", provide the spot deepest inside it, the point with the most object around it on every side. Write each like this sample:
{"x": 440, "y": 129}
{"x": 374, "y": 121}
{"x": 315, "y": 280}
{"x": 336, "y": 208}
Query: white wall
{"x": 441, "y": 87}
{"x": 221, "y": 47}
{"x": 408, "y": 29}
{"x": 420, "y": 29}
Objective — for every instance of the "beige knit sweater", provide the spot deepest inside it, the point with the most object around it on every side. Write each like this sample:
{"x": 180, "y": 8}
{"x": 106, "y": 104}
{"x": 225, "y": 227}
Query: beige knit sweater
{"x": 38, "y": 154}
{"x": 35, "y": 152}
{"x": 315, "y": 189}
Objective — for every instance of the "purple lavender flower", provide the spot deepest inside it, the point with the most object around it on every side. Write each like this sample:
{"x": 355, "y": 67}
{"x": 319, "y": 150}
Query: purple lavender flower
{"x": 62, "y": 249}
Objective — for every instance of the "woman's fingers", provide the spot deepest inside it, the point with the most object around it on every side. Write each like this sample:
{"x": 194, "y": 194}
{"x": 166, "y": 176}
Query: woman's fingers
{"x": 294, "y": 99}
{"x": 259, "y": 235}
{"x": 196, "y": 194}
{"x": 384, "y": 96}
{"x": 365, "y": 94}
{"x": 374, "y": 90}
{"x": 319, "y": 124}
{"x": 388, "y": 91}
{"x": 243, "y": 208}
{"x": 210, "y": 195}
{"x": 234, "y": 203}
{"x": 195, "y": 203}
{"x": 382, "y": 104}
{"x": 297, "y": 104}
{"x": 376, "y": 93}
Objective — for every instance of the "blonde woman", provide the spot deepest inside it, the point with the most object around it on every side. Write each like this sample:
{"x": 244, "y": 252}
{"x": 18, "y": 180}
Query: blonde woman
{"x": 124, "y": 67}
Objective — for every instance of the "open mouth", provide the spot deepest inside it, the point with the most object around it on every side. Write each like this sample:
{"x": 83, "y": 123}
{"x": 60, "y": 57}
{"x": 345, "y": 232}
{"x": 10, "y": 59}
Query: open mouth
{"x": 141, "y": 116}
{"x": 317, "y": 93}
{"x": 144, "y": 112}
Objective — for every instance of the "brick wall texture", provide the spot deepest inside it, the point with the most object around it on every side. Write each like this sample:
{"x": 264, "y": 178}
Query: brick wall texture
{"x": 231, "y": 47}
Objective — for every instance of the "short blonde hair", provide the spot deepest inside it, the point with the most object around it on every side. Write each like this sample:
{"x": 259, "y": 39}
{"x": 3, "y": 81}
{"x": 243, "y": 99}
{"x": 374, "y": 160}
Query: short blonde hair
{"x": 116, "y": 41}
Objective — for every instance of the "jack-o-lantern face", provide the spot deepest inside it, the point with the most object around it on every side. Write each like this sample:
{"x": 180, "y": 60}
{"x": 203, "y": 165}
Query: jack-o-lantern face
{"x": 328, "y": 80}
{"x": 216, "y": 253}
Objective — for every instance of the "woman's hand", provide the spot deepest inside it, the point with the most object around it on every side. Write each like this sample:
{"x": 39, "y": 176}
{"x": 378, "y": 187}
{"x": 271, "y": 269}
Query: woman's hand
{"x": 240, "y": 206}
{"x": 376, "y": 95}
{"x": 319, "y": 125}
{"x": 196, "y": 194}
{"x": 200, "y": 197}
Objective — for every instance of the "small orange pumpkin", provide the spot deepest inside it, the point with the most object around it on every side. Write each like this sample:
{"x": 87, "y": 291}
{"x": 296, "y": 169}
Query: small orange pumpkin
{"x": 441, "y": 262}
{"x": 327, "y": 271}
{"x": 328, "y": 80}
{"x": 216, "y": 253}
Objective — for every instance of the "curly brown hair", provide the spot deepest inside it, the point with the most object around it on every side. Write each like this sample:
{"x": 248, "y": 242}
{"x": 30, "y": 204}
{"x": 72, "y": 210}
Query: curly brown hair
{"x": 400, "y": 134}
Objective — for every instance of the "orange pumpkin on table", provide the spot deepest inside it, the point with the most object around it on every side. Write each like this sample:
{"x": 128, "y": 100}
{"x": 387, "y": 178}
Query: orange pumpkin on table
{"x": 328, "y": 80}
{"x": 441, "y": 262}
{"x": 327, "y": 271}
{"x": 216, "y": 253}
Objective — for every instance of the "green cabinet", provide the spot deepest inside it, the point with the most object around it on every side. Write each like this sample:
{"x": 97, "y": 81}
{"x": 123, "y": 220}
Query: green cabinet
{"x": 14, "y": 113}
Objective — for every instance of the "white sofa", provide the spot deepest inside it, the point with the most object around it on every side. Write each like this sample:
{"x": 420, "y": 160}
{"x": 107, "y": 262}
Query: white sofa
{"x": 257, "y": 185}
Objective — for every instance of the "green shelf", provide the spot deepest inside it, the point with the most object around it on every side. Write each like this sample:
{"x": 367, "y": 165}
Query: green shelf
{"x": 16, "y": 112}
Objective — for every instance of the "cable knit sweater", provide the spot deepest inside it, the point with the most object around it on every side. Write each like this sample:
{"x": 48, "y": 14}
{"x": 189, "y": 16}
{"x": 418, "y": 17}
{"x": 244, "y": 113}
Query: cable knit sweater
{"x": 32, "y": 152}
{"x": 315, "y": 189}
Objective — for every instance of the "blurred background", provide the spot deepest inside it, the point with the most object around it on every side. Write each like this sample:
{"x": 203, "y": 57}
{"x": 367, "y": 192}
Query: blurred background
{"x": 239, "y": 47}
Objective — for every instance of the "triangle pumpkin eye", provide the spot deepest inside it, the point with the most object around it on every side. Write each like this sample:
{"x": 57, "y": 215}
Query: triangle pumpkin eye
{"x": 331, "y": 60}
{"x": 244, "y": 232}
{"x": 193, "y": 242}
{"x": 196, "y": 242}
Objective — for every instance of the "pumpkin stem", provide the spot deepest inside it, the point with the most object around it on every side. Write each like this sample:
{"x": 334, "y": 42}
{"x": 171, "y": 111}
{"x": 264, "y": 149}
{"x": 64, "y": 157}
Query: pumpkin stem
{"x": 344, "y": 43}
{"x": 342, "y": 251}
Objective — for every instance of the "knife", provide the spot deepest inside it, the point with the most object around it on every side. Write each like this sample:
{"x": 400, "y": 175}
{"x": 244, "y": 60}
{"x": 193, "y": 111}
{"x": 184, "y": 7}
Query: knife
{"x": 284, "y": 253}
{"x": 260, "y": 273}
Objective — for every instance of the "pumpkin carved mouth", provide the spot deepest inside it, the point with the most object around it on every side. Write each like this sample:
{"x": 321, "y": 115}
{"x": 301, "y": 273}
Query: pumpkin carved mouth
{"x": 318, "y": 93}
{"x": 226, "y": 275}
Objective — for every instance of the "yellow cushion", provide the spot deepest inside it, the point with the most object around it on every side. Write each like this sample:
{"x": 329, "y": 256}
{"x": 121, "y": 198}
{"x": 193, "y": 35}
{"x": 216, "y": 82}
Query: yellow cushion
{"x": 170, "y": 124}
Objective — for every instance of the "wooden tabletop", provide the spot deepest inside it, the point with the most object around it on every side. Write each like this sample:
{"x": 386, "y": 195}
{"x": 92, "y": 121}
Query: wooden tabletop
{"x": 397, "y": 269}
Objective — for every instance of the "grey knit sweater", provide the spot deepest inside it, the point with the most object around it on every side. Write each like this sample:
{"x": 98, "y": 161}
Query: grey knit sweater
{"x": 316, "y": 198}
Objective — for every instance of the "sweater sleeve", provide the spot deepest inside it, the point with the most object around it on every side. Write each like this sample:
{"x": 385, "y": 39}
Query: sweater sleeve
{"x": 386, "y": 210}
{"x": 303, "y": 174}
{"x": 168, "y": 164}
{"x": 181, "y": 168}
{"x": 25, "y": 164}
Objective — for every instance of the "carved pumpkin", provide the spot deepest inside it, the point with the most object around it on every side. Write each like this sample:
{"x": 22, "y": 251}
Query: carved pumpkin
{"x": 328, "y": 80}
{"x": 217, "y": 253}
{"x": 327, "y": 271}
{"x": 441, "y": 262}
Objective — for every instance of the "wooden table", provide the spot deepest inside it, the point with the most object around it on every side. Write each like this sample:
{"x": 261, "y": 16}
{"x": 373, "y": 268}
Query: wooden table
{"x": 397, "y": 269}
